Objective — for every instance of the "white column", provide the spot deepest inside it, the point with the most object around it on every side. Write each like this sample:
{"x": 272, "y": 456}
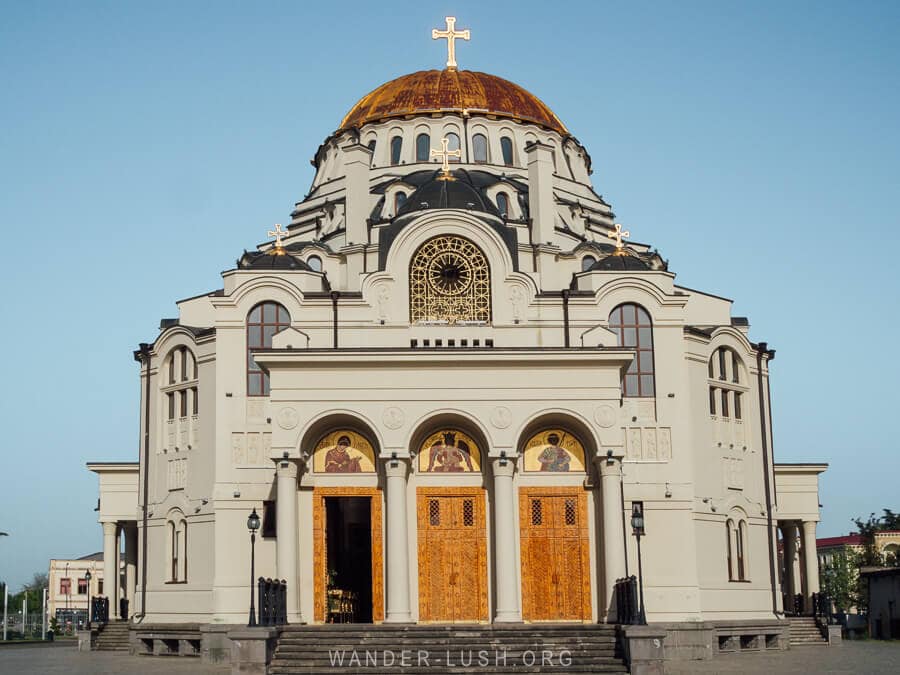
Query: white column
{"x": 286, "y": 530}
{"x": 789, "y": 551}
{"x": 131, "y": 550}
{"x": 397, "y": 608}
{"x": 810, "y": 562}
{"x": 110, "y": 565}
{"x": 613, "y": 531}
{"x": 505, "y": 572}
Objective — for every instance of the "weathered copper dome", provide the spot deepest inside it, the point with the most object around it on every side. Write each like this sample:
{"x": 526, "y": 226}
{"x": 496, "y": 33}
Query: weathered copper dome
{"x": 443, "y": 91}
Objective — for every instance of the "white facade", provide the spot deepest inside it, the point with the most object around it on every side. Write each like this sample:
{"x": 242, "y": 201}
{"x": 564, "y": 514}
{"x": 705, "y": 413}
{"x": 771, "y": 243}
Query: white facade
{"x": 352, "y": 355}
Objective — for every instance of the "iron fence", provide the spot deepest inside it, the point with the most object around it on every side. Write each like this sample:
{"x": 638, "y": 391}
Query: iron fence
{"x": 272, "y": 601}
{"x": 626, "y": 600}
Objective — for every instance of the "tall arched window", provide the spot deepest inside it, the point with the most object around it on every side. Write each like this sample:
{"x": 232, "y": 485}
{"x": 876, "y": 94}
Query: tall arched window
{"x": 503, "y": 204}
{"x": 399, "y": 200}
{"x": 423, "y": 147}
{"x": 176, "y": 534}
{"x": 725, "y": 384}
{"x": 587, "y": 262}
{"x": 263, "y": 322}
{"x": 396, "y": 148}
{"x": 181, "y": 390}
{"x": 371, "y": 147}
{"x": 453, "y": 144}
{"x": 729, "y": 529}
{"x": 740, "y": 550}
{"x": 506, "y": 148}
{"x": 480, "y": 148}
{"x": 631, "y": 324}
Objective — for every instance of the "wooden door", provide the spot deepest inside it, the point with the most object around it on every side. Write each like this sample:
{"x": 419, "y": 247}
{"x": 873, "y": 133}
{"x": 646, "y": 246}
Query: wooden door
{"x": 452, "y": 555}
{"x": 320, "y": 548}
{"x": 555, "y": 554}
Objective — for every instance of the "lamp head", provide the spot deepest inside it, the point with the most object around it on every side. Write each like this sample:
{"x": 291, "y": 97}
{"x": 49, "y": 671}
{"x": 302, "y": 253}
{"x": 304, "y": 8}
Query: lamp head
{"x": 637, "y": 518}
{"x": 253, "y": 522}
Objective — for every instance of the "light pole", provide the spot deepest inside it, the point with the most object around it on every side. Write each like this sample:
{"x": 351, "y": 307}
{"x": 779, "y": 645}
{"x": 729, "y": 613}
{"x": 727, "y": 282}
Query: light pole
{"x": 87, "y": 578}
{"x": 253, "y": 526}
{"x": 637, "y": 526}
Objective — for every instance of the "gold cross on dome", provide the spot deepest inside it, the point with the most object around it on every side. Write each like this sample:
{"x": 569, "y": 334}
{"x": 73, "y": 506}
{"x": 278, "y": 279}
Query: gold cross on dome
{"x": 618, "y": 235}
{"x": 451, "y": 36}
{"x": 445, "y": 155}
{"x": 278, "y": 233}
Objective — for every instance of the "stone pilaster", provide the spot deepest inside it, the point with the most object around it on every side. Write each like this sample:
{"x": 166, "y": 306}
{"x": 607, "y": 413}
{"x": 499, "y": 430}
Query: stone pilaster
{"x": 397, "y": 607}
{"x": 505, "y": 527}
{"x": 286, "y": 530}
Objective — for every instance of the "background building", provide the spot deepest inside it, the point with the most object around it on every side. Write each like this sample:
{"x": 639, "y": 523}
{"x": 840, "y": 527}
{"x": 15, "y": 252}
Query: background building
{"x": 69, "y": 591}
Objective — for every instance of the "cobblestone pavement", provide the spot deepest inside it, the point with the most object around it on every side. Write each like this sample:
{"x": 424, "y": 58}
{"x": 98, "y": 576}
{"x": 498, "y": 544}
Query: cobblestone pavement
{"x": 869, "y": 657}
{"x": 67, "y": 660}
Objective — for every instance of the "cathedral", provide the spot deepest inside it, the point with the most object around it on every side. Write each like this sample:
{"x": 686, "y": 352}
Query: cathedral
{"x": 451, "y": 387}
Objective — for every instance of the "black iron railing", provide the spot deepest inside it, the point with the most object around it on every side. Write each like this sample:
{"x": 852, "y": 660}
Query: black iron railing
{"x": 822, "y": 607}
{"x": 626, "y": 600}
{"x": 99, "y": 610}
{"x": 272, "y": 595}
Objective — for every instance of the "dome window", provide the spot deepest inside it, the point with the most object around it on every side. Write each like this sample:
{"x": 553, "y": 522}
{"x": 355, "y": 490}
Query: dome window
{"x": 587, "y": 262}
{"x": 399, "y": 201}
{"x": 315, "y": 263}
{"x": 480, "y": 148}
{"x": 396, "y": 148}
{"x": 371, "y": 147}
{"x": 453, "y": 144}
{"x": 503, "y": 204}
{"x": 506, "y": 147}
{"x": 423, "y": 147}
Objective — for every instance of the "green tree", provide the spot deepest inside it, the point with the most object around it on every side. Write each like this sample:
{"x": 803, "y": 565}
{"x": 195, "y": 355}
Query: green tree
{"x": 840, "y": 580}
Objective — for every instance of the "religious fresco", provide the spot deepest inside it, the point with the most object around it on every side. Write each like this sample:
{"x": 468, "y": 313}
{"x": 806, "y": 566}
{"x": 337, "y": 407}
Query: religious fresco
{"x": 449, "y": 451}
{"x": 554, "y": 451}
{"x": 344, "y": 451}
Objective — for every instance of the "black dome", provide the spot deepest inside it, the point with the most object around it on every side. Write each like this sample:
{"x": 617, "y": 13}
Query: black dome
{"x": 620, "y": 262}
{"x": 456, "y": 191}
{"x": 269, "y": 260}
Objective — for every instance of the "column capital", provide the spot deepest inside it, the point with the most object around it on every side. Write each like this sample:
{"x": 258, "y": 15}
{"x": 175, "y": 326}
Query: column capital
{"x": 504, "y": 466}
{"x": 397, "y": 467}
{"x": 286, "y": 467}
{"x": 608, "y": 464}
{"x": 110, "y": 527}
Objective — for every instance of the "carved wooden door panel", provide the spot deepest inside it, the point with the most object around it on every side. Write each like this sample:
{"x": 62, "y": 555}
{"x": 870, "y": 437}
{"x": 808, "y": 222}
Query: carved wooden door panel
{"x": 555, "y": 554}
{"x": 452, "y": 555}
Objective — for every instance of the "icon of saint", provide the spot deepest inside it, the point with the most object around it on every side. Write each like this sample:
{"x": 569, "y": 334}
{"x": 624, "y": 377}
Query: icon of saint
{"x": 338, "y": 459}
{"x": 553, "y": 457}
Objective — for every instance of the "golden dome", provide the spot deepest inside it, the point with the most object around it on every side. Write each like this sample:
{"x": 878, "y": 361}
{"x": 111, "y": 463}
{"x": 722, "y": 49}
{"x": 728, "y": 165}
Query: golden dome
{"x": 443, "y": 91}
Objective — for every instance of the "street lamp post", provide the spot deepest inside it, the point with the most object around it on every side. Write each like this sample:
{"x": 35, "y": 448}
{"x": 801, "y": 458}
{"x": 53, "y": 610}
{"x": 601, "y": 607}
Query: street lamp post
{"x": 87, "y": 578}
{"x": 253, "y": 526}
{"x": 637, "y": 526}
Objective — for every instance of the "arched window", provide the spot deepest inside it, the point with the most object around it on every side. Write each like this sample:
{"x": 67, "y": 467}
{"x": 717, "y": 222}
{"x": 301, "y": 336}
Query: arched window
{"x": 480, "y": 148}
{"x": 371, "y": 147}
{"x": 587, "y": 262}
{"x": 726, "y": 377}
{"x": 503, "y": 204}
{"x": 399, "y": 200}
{"x": 315, "y": 263}
{"x": 176, "y": 534}
{"x": 633, "y": 327}
{"x": 729, "y": 529}
{"x": 506, "y": 148}
{"x": 737, "y": 548}
{"x": 740, "y": 550}
{"x": 453, "y": 144}
{"x": 263, "y": 322}
{"x": 423, "y": 147}
{"x": 449, "y": 282}
{"x": 396, "y": 148}
{"x": 181, "y": 391}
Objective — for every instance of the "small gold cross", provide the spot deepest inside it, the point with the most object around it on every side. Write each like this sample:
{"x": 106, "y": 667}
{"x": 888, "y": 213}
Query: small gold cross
{"x": 445, "y": 155}
{"x": 278, "y": 233}
{"x": 451, "y": 36}
{"x": 618, "y": 235}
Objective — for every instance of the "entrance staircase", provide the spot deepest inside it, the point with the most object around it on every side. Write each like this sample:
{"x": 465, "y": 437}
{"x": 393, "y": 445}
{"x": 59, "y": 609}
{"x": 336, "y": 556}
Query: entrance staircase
{"x": 805, "y": 631}
{"x": 366, "y": 648}
{"x": 112, "y": 637}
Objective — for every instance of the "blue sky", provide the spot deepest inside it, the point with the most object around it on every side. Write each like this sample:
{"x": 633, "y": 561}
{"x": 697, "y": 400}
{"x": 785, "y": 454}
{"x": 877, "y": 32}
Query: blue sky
{"x": 144, "y": 146}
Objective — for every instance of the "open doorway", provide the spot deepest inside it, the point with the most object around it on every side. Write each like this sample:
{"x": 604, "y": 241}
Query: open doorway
{"x": 348, "y": 559}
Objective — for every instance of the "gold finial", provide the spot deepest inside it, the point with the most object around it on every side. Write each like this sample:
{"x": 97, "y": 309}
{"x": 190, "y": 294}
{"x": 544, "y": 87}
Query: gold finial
{"x": 618, "y": 235}
{"x": 445, "y": 156}
{"x": 278, "y": 233}
{"x": 451, "y": 36}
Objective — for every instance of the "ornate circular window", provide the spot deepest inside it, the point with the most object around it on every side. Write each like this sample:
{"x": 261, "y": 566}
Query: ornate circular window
{"x": 449, "y": 281}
